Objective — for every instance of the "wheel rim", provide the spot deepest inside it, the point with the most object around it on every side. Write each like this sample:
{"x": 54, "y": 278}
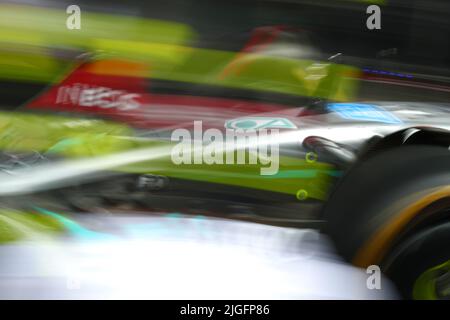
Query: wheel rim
{"x": 434, "y": 283}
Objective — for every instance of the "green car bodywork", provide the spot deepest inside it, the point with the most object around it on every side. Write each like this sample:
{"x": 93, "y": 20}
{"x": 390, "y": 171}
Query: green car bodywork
{"x": 18, "y": 225}
{"x": 71, "y": 138}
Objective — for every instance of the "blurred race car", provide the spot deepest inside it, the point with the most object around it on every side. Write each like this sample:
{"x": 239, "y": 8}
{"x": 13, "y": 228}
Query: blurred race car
{"x": 374, "y": 176}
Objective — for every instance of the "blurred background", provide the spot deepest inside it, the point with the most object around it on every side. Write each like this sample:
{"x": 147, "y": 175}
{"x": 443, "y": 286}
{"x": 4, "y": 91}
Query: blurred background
{"x": 290, "y": 53}
{"x": 200, "y": 46}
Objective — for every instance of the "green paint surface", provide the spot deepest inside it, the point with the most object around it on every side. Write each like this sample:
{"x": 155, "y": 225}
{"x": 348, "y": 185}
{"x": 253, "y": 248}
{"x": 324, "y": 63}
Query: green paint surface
{"x": 32, "y": 35}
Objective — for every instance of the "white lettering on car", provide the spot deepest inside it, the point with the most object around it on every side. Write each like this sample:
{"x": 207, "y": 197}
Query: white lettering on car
{"x": 103, "y": 97}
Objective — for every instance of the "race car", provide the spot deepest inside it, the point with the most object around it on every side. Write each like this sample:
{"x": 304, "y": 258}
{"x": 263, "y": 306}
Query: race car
{"x": 374, "y": 176}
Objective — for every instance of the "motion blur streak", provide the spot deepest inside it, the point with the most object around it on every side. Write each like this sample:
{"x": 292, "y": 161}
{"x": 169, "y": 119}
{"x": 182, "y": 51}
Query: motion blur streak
{"x": 35, "y": 49}
{"x": 49, "y": 175}
{"x": 182, "y": 258}
{"x": 93, "y": 204}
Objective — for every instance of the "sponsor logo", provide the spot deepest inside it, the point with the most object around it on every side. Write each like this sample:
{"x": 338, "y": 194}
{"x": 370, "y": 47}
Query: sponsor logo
{"x": 92, "y": 96}
{"x": 256, "y": 123}
{"x": 363, "y": 112}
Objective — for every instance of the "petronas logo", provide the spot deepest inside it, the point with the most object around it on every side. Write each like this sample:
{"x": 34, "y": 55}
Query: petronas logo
{"x": 255, "y": 123}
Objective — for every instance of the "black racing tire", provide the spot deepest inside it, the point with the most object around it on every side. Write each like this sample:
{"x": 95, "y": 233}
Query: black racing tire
{"x": 420, "y": 264}
{"x": 386, "y": 200}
